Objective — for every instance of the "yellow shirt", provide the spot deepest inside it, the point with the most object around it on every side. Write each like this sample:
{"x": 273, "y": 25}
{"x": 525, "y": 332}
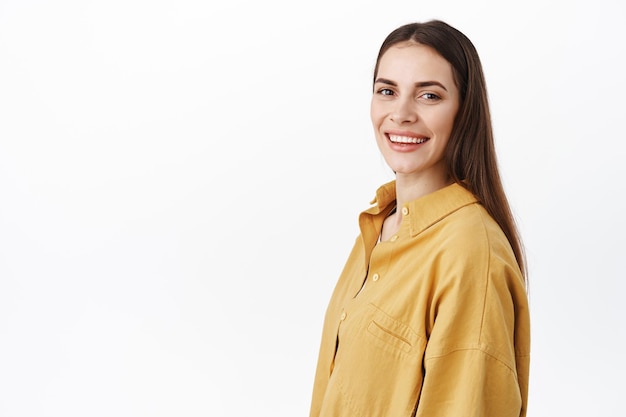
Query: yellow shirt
{"x": 441, "y": 326}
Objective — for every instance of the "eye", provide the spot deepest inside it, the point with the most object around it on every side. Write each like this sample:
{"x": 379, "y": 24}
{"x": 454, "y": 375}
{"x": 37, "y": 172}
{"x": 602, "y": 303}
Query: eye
{"x": 385, "y": 92}
{"x": 430, "y": 97}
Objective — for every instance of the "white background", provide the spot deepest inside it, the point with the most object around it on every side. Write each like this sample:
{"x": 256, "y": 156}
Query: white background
{"x": 180, "y": 180}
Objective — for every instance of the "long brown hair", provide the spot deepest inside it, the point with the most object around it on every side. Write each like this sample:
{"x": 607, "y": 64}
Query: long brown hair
{"x": 470, "y": 153}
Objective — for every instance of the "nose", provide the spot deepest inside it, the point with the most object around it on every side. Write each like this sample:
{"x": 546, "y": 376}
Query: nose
{"x": 404, "y": 112}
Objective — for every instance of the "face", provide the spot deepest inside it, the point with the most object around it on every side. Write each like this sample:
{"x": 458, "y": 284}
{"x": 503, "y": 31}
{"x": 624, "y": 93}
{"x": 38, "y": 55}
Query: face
{"x": 413, "y": 108}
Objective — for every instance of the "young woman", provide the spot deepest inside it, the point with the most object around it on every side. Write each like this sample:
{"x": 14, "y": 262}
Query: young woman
{"x": 430, "y": 314}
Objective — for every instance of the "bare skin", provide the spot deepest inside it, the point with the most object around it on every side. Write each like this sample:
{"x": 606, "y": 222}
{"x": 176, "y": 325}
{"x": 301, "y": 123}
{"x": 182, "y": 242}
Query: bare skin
{"x": 413, "y": 109}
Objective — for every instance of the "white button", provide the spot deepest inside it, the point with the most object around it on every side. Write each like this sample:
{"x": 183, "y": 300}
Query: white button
{"x": 405, "y": 211}
{"x": 394, "y": 238}
{"x": 375, "y": 277}
{"x": 343, "y": 316}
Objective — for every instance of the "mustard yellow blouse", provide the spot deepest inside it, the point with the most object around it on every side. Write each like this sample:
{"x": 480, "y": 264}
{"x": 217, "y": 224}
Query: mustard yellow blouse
{"x": 433, "y": 322}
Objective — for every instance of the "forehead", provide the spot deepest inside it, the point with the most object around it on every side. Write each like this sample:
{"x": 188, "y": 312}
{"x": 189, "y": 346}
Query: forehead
{"x": 414, "y": 60}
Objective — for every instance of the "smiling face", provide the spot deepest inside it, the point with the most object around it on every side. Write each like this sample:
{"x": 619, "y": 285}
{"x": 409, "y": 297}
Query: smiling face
{"x": 413, "y": 108}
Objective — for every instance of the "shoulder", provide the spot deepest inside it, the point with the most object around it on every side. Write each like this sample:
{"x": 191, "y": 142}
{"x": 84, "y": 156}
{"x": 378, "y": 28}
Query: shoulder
{"x": 470, "y": 229}
{"x": 472, "y": 245}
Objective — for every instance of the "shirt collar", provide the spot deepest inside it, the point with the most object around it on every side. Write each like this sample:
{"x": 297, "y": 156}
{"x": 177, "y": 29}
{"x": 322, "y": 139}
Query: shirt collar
{"x": 425, "y": 211}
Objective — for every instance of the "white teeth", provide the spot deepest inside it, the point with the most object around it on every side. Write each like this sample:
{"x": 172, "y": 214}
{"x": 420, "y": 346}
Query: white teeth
{"x": 406, "y": 139}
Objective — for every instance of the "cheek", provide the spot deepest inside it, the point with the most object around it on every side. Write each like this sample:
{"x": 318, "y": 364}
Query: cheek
{"x": 377, "y": 112}
{"x": 446, "y": 123}
{"x": 373, "y": 115}
{"x": 447, "y": 128}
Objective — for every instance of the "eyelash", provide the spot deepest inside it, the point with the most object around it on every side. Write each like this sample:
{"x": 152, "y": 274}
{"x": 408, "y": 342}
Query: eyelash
{"x": 432, "y": 96}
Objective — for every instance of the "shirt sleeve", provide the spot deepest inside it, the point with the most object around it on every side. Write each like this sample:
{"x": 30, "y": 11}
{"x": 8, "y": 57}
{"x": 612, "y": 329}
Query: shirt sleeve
{"x": 476, "y": 358}
{"x": 469, "y": 383}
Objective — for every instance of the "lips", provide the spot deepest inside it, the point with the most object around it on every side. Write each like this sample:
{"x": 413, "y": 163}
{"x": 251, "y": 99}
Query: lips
{"x": 412, "y": 140}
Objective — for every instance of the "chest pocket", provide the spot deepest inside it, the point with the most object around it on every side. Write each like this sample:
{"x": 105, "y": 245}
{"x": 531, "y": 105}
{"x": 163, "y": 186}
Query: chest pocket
{"x": 393, "y": 334}
{"x": 378, "y": 368}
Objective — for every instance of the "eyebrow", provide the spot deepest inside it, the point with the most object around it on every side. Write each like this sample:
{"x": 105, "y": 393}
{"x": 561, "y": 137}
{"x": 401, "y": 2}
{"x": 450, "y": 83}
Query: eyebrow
{"x": 419, "y": 84}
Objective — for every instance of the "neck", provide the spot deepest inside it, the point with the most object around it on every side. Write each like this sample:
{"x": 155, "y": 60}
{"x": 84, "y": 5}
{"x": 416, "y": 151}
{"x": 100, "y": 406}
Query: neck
{"x": 408, "y": 188}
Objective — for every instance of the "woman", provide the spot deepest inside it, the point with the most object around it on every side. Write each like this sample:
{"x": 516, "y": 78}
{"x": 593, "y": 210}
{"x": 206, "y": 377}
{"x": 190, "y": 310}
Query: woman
{"x": 430, "y": 314}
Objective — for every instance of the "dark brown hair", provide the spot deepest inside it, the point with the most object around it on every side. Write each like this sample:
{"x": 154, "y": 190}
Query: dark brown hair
{"x": 470, "y": 153}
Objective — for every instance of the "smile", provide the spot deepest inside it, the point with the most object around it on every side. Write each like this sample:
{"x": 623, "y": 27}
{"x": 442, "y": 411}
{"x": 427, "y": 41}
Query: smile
{"x": 406, "y": 139}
